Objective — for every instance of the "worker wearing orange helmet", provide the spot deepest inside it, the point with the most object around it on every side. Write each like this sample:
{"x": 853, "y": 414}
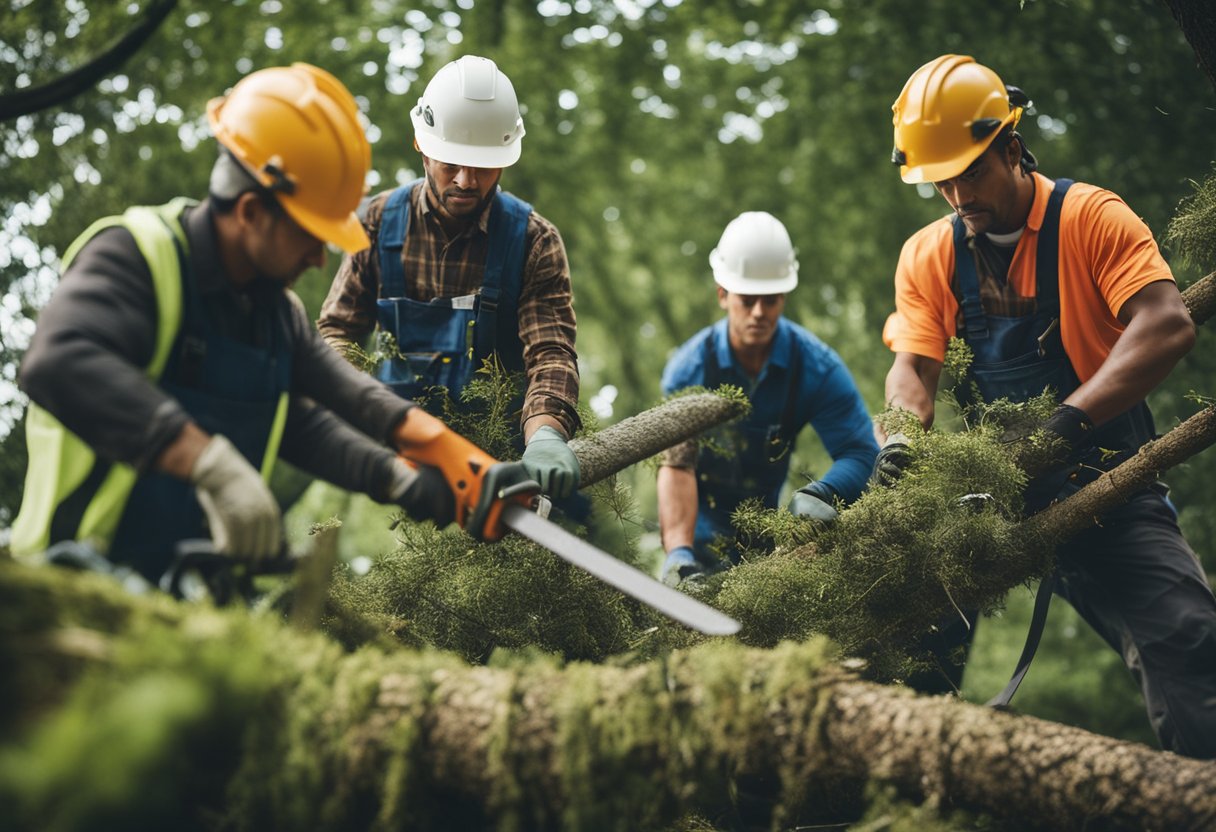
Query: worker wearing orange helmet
{"x": 173, "y": 365}
{"x": 1055, "y": 284}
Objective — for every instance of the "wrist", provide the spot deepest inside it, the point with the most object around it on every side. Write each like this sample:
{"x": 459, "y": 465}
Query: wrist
{"x": 822, "y": 490}
{"x": 1070, "y": 423}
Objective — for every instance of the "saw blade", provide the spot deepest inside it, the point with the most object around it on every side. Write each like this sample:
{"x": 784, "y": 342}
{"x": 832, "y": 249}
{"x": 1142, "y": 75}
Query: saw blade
{"x": 672, "y": 603}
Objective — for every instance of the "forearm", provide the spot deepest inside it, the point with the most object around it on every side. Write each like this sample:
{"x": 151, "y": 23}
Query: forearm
{"x": 348, "y": 313}
{"x": 322, "y": 375}
{"x": 318, "y": 442}
{"x": 552, "y": 395}
{"x": 1141, "y": 359}
{"x": 677, "y": 506}
{"x": 849, "y": 473}
{"x": 912, "y": 384}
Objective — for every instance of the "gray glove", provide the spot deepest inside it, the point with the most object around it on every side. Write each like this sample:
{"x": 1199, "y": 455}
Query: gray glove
{"x": 241, "y": 512}
{"x": 549, "y": 460}
{"x": 815, "y": 501}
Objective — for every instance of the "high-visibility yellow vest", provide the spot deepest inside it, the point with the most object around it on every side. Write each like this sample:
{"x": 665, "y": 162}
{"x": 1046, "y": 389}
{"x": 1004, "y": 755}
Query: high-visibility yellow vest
{"x": 59, "y": 461}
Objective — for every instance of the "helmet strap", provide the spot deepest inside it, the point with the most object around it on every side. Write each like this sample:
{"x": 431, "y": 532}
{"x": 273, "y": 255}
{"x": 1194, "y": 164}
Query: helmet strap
{"x": 1029, "y": 163}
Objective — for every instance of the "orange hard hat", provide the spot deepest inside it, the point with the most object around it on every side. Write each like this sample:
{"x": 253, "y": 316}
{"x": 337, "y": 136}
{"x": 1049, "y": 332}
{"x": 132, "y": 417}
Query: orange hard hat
{"x": 948, "y": 113}
{"x": 296, "y": 130}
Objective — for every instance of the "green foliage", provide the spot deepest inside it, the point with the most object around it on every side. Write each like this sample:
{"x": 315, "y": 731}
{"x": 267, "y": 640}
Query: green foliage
{"x": 451, "y": 593}
{"x": 1193, "y": 229}
{"x": 897, "y": 563}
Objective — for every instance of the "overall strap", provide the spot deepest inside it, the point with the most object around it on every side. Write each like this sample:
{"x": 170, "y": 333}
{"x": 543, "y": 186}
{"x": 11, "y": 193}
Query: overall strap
{"x": 502, "y": 280}
{"x": 789, "y": 415}
{"x": 1047, "y": 253}
{"x": 713, "y": 370}
{"x": 394, "y": 225}
{"x": 975, "y": 322}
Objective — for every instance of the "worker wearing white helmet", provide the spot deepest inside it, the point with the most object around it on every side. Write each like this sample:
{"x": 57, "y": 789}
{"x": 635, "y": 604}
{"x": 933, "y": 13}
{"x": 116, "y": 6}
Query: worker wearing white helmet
{"x": 792, "y": 379}
{"x": 460, "y": 270}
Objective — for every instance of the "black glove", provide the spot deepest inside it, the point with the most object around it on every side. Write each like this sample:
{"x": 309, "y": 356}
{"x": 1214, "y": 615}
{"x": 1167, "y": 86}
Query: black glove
{"x": 502, "y": 480}
{"x": 1070, "y": 431}
{"x": 423, "y": 493}
{"x": 892, "y": 460}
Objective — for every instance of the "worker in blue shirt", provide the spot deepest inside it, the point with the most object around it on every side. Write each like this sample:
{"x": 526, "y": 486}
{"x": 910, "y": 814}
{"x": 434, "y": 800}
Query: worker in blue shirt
{"x": 792, "y": 379}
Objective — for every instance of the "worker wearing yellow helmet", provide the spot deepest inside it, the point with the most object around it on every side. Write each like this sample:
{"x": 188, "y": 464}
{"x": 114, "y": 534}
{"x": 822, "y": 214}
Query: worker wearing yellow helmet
{"x": 173, "y": 364}
{"x": 1054, "y": 285}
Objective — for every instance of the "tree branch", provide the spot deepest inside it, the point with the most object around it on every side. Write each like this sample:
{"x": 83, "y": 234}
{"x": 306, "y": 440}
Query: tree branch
{"x": 650, "y": 432}
{"x": 71, "y": 84}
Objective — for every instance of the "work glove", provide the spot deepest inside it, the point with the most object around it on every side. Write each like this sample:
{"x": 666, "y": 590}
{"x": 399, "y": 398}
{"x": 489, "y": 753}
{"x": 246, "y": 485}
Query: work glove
{"x": 241, "y": 512}
{"x": 815, "y": 501}
{"x": 892, "y": 460}
{"x": 549, "y": 460}
{"x": 681, "y": 565}
{"x": 422, "y": 493}
{"x": 1070, "y": 430}
{"x": 503, "y": 480}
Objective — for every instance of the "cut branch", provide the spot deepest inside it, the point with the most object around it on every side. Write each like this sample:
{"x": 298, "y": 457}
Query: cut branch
{"x": 650, "y": 432}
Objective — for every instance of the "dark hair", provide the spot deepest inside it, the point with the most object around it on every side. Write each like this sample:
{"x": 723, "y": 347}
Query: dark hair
{"x": 1028, "y": 163}
{"x": 230, "y": 179}
{"x": 225, "y": 205}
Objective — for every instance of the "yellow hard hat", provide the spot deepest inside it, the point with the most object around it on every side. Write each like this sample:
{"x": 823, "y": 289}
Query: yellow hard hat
{"x": 948, "y": 113}
{"x": 296, "y": 130}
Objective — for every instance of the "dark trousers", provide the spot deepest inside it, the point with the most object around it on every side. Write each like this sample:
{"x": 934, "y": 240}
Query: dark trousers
{"x": 1139, "y": 585}
{"x": 1137, "y": 582}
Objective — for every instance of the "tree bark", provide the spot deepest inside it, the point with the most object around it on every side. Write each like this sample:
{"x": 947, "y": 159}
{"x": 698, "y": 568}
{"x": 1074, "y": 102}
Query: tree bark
{"x": 1197, "y": 19}
{"x": 650, "y": 432}
{"x": 1066, "y": 518}
{"x": 1200, "y": 299}
{"x": 316, "y": 738}
{"x": 23, "y": 102}
{"x": 1062, "y": 520}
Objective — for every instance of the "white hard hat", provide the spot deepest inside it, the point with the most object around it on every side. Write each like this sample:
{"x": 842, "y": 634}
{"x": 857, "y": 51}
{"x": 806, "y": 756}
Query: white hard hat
{"x": 755, "y": 256}
{"x": 468, "y": 115}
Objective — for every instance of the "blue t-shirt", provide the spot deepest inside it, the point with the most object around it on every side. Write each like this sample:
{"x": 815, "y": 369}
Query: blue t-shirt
{"x": 826, "y": 398}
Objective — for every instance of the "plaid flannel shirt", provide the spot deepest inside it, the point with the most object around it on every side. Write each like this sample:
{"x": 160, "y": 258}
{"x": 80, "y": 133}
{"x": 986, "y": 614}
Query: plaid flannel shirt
{"x": 437, "y": 265}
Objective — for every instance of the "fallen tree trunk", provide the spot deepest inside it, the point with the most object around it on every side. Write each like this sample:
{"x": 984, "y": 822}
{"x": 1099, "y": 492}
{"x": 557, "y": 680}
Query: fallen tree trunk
{"x": 174, "y": 728}
{"x": 642, "y": 436}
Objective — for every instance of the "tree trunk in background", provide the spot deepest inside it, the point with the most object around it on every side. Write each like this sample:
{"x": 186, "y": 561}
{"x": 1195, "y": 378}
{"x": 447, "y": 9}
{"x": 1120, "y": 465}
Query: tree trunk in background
{"x": 650, "y": 432}
{"x": 742, "y": 736}
{"x": 1197, "y": 18}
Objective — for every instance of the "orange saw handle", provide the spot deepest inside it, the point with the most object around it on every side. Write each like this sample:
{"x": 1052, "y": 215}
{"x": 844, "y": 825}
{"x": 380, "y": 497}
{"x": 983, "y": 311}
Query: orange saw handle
{"x": 424, "y": 440}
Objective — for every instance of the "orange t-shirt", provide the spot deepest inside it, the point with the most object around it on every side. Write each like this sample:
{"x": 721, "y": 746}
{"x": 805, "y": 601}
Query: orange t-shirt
{"x": 1107, "y": 254}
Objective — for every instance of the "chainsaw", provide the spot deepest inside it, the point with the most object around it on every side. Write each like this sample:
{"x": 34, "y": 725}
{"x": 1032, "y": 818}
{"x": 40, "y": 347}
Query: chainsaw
{"x": 424, "y": 440}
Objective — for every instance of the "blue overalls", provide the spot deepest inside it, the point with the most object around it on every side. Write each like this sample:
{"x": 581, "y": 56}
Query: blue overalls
{"x": 228, "y": 387}
{"x": 1132, "y": 577}
{"x": 444, "y": 341}
{"x": 757, "y": 461}
{"x": 1019, "y": 358}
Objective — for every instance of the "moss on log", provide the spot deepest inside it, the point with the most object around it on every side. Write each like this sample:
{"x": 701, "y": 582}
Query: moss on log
{"x": 193, "y": 718}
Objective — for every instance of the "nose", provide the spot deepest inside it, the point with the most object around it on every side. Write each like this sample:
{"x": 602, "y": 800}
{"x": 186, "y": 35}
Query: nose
{"x": 956, "y": 192}
{"x": 315, "y": 256}
{"x": 466, "y": 179}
